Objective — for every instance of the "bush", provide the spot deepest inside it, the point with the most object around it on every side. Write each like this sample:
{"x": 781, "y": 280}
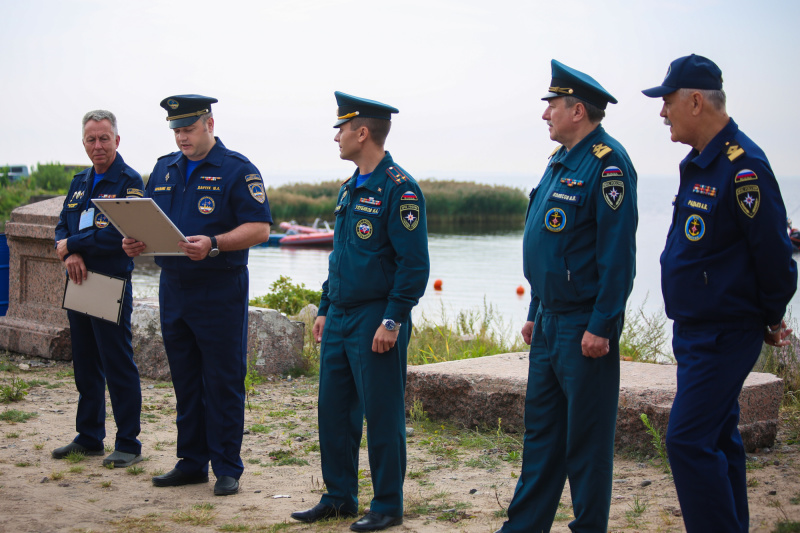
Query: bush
{"x": 50, "y": 177}
{"x": 287, "y": 297}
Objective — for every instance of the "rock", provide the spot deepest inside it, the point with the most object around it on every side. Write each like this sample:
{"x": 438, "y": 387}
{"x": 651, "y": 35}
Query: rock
{"x": 409, "y": 431}
{"x": 274, "y": 342}
{"x": 646, "y": 483}
{"x": 490, "y": 392}
{"x": 23, "y": 366}
{"x": 308, "y": 314}
{"x": 772, "y": 492}
{"x": 473, "y": 491}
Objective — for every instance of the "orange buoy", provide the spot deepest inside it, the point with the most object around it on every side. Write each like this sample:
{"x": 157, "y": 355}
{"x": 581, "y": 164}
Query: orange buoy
{"x": 437, "y": 285}
{"x": 520, "y": 290}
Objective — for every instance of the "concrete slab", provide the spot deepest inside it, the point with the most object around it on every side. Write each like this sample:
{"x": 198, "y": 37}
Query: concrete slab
{"x": 483, "y": 391}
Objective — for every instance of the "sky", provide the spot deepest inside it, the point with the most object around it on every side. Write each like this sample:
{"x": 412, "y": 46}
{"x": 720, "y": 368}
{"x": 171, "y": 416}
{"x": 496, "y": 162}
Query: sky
{"x": 467, "y": 77}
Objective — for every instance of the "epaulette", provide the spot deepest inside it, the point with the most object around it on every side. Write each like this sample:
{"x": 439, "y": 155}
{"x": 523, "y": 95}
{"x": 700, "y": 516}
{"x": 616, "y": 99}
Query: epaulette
{"x": 733, "y": 151}
{"x": 167, "y": 155}
{"x": 600, "y": 150}
{"x": 342, "y": 184}
{"x": 554, "y": 151}
{"x": 396, "y": 174}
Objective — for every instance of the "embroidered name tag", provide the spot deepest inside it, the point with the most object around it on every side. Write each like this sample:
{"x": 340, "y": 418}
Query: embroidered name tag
{"x": 697, "y": 204}
{"x": 367, "y": 210}
{"x": 564, "y": 197}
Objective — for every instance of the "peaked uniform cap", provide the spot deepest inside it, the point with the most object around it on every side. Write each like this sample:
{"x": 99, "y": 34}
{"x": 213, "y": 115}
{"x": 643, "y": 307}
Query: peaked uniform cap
{"x": 351, "y": 107}
{"x": 567, "y": 81}
{"x": 184, "y": 109}
{"x": 688, "y": 72}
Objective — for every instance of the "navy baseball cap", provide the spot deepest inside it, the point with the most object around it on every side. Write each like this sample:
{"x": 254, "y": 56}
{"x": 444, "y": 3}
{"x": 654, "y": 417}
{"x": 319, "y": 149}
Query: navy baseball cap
{"x": 351, "y": 107}
{"x": 688, "y": 72}
{"x": 184, "y": 109}
{"x": 567, "y": 81}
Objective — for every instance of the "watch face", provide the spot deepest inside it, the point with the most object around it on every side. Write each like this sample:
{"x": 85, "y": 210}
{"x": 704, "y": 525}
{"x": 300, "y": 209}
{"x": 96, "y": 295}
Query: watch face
{"x": 213, "y": 253}
{"x": 389, "y": 324}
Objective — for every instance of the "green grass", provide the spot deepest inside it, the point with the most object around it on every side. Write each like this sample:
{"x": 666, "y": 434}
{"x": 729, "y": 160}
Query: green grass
{"x": 14, "y": 416}
{"x": 645, "y": 337}
{"x": 787, "y": 526}
{"x": 13, "y": 391}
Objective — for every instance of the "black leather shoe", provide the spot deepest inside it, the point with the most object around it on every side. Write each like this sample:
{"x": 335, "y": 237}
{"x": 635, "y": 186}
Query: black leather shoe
{"x": 321, "y": 512}
{"x": 225, "y": 486}
{"x": 376, "y": 522}
{"x": 176, "y": 478}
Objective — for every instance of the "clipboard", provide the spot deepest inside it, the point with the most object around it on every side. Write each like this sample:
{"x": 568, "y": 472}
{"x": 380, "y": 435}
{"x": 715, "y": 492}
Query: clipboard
{"x": 143, "y": 220}
{"x": 99, "y": 296}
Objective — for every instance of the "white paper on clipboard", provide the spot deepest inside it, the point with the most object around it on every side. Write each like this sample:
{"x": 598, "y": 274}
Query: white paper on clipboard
{"x": 99, "y": 295}
{"x": 143, "y": 220}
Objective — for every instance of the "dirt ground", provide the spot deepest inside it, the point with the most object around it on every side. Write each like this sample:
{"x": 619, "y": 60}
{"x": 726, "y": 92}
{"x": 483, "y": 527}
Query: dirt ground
{"x": 447, "y": 488}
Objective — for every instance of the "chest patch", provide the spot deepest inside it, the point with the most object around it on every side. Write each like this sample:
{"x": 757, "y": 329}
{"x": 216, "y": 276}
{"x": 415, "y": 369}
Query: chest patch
{"x": 364, "y": 229}
{"x": 613, "y": 192}
{"x": 569, "y": 182}
{"x": 163, "y": 188}
{"x": 694, "y": 228}
{"x": 100, "y": 220}
{"x": 206, "y": 205}
{"x": 409, "y": 216}
{"x": 749, "y": 199}
{"x": 257, "y": 191}
{"x": 745, "y": 175}
{"x": 369, "y": 201}
{"x": 555, "y": 219}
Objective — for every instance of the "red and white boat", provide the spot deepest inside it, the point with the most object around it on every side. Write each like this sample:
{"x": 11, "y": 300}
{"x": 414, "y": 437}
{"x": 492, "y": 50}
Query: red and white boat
{"x": 298, "y": 235}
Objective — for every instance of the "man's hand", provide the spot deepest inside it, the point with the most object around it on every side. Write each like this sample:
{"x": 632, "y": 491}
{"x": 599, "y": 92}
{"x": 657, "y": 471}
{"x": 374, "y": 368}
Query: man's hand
{"x": 61, "y": 249}
{"x": 319, "y": 327}
{"x": 384, "y": 340}
{"x": 778, "y": 338}
{"x": 527, "y": 331}
{"x": 76, "y": 268}
{"x": 132, "y": 247}
{"x": 197, "y": 248}
{"x": 594, "y": 346}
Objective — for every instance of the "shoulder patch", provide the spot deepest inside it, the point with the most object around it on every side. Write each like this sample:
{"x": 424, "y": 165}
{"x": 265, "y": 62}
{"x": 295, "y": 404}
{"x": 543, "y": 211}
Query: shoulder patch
{"x": 135, "y": 192}
{"x": 745, "y": 175}
{"x": 554, "y": 151}
{"x": 396, "y": 174}
{"x": 252, "y": 177}
{"x": 600, "y": 150}
{"x": 613, "y": 193}
{"x": 611, "y": 172}
{"x": 733, "y": 151}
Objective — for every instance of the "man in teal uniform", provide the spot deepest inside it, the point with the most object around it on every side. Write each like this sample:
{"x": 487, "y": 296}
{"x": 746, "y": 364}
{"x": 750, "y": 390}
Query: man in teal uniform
{"x": 579, "y": 256}
{"x": 378, "y": 271}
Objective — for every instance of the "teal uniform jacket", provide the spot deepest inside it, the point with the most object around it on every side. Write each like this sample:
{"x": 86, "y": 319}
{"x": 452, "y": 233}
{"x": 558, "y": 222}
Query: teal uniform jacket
{"x": 380, "y": 249}
{"x": 579, "y": 244}
{"x": 378, "y": 269}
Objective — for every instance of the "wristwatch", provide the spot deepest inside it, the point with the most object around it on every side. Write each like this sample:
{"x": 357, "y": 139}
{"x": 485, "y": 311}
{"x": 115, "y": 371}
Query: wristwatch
{"x": 214, "y": 252}
{"x": 390, "y": 324}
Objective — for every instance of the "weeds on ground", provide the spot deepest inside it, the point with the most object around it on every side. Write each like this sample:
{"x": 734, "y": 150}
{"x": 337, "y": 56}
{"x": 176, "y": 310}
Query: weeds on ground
{"x": 287, "y": 297}
{"x": 14, "y": 416}
{"x": 251, "y": 379}
{"x": 658, "y": 443}
{"x": 645, "y": 338}
{"x": 201, "y": 514}
{"x": 150, "y": 523}
{"x": 13, "y": 391}
{"x": 473, "y": 333}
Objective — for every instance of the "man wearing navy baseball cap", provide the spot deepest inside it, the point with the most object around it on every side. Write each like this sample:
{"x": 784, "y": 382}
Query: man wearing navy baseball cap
{"x": 727, "y": 276}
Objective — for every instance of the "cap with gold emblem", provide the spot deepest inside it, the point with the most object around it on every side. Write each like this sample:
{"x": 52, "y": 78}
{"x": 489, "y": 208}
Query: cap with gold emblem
{"x": 567, "y": 81}
{"x": 184, "y": 109}
{"x": 351, "y": 107}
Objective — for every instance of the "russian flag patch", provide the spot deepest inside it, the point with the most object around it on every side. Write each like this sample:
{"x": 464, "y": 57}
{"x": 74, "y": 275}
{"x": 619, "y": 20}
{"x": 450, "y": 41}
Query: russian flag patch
{"x": 409, "y": 195}
{"x": 745, "y": 175}
{"x": 610, "y": 172}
